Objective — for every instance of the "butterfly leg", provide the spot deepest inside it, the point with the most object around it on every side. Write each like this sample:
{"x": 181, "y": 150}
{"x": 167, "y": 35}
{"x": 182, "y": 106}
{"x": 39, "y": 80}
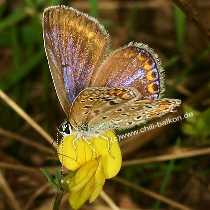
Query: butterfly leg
{"x": 109, "y": 142}
{"x": 91, "y": 146}
{"x": 74, "y": 143}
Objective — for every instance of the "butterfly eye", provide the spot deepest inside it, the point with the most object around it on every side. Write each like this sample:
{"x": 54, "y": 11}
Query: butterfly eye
{"x": 65, "y": 128}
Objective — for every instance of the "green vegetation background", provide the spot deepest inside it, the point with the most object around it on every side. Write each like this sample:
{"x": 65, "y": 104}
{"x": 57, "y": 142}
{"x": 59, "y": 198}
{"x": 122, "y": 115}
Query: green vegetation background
{"x": 25, "y": 76}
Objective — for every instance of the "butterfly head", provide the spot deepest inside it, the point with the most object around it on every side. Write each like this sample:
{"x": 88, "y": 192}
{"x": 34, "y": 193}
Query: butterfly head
{"x": 65, "y": 128}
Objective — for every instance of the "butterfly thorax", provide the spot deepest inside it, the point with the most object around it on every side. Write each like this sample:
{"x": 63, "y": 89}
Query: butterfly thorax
{"x": 86, "y": 132}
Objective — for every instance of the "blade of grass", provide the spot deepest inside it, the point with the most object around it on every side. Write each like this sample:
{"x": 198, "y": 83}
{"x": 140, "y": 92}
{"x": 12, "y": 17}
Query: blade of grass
{"x": 16, "y": 49}
{"x": 168, "y": 172}
{"x": 180, "y": 26}
{"x": 169, "y": 168}
{"x": 14, "y": 17}
{"x": 93, "y": 7}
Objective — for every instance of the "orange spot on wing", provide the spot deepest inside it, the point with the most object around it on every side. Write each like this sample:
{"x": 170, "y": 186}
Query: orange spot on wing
{"x": 141, "y": 58}
{"x": 147, "y": 67}
{"x": 151, "y": 75}
{"x": 152, "y": 88}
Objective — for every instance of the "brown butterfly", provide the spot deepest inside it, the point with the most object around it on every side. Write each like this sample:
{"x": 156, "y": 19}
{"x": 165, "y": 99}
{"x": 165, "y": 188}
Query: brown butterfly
{"x": 98, "y": 91}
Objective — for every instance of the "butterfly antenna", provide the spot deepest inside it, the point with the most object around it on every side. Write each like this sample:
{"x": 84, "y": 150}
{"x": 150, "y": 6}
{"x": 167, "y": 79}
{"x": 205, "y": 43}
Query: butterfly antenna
{"x": 62, "y": 147}
{"x": 57, "y": 138}
{"x": 54, "y": 139}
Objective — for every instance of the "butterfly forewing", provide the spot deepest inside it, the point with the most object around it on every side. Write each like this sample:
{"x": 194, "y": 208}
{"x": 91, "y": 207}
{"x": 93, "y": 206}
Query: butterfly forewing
{"x": 75, "y": 46}
{"x": 133, "y": 113}
{"x": 92, "y": 102}
{"x": 135, "y": 65}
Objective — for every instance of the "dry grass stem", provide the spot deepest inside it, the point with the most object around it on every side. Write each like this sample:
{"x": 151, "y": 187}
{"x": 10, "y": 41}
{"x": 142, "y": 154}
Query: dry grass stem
{"x": 178, "y": 154}
{"x": 18, "y": 167}
{"x": 26, "y": 117}
{"x": 101, "y": 207}
{"x": 24, "y": 140}
{"x": 26, "y": 169}
{"x": 37, "y": 193}
{"x": 12, "y": 202}
{"x": 152, "y": 194}
{"x": 109, "y": 201}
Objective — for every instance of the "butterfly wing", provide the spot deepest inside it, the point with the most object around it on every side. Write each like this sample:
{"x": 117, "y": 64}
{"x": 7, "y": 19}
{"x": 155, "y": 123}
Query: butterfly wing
{"x": 133, "y": 113}
{"x": 135, "y": 65}
{"x": 93, "y": 101}
{"x": 75, "y": 45}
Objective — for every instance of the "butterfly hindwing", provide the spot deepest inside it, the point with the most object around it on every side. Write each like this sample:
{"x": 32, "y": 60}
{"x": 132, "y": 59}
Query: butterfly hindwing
{"x": 75, "y": 45}
{"x": 133, "y": 113}
{"x": 93, "y": 101}
{"x": 135, "y": 65}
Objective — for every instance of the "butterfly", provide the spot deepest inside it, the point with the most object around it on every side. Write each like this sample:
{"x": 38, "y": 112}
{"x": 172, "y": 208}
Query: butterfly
{"x": 98, "y": 90}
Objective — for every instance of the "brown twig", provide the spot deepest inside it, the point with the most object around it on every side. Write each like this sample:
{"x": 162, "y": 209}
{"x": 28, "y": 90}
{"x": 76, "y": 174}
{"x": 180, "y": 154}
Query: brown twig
{"x": 109, "y": 201}
{"x": 26, "y": 117}
{"x": 37, "y": 193}
{"x": 152, "y": 194}
{"x": 24, "y": 140}
{"x": 26, "y": 169}
{"x": 12, "y": 201}
{"x": 19, "y": 167}
{"x": 178, "y": 154}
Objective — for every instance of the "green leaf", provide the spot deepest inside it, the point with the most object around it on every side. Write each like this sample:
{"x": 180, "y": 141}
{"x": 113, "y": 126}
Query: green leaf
{"x": 58, "y": 177}
{"x": 198, "y": 125}
{"x": 51, "y": 179}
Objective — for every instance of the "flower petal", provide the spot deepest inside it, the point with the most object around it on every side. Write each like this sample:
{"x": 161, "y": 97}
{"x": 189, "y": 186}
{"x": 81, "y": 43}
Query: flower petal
{"x": 83, "y": 175}
{"x": 106, "y": 145}
{"x": 110, "y": 153}
{"x": 99, "y": 183}
{"x": 67, "y": 153}
{"x": 78, "y": 198}
{"x": 74, "y": 152}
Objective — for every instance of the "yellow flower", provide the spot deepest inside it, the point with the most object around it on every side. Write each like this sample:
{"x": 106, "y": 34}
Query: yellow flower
{"x": 93, "y": 160}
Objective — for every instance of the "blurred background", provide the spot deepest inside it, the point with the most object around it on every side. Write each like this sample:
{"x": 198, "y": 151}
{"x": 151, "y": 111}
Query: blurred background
{"x": 172, "y": 163}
